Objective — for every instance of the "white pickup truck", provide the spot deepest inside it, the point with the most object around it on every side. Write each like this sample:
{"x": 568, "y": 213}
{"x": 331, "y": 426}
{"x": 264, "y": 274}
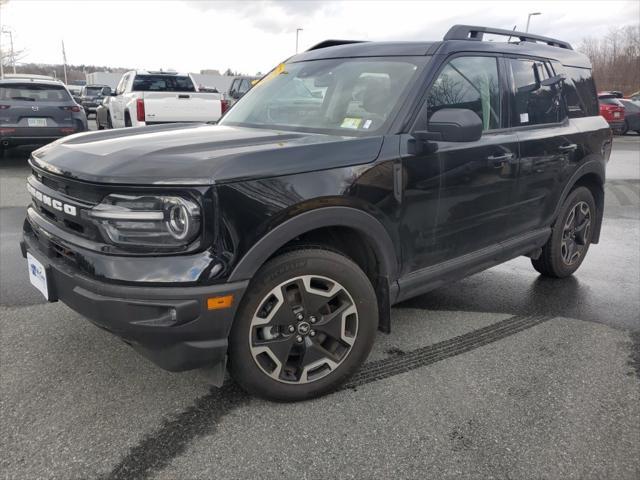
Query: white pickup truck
{"x": 148, "y": 98}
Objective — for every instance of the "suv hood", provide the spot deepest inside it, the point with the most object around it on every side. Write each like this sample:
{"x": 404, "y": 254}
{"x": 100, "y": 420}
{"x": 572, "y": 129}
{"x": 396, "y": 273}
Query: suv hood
{"x": 198, "y": 154}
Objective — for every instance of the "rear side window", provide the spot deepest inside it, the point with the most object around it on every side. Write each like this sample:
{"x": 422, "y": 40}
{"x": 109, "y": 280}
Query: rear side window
{"x": 162, "y": 83}
{"x": 534, "y": 104}
{"x": 580, "y": 92}
{"x": 31, "y": 92}
{"x": 471, "y": 83}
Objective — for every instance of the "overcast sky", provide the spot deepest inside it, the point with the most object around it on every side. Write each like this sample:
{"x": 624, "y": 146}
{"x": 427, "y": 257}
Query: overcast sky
{"x": 252, "y": 36}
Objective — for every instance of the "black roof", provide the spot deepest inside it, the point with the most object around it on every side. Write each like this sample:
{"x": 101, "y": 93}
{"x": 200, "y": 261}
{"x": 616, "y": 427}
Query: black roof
{"x": 455, "y": 41}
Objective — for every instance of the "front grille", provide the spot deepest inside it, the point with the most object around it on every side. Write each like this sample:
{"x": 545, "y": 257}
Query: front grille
{"x": 65, "y": 204}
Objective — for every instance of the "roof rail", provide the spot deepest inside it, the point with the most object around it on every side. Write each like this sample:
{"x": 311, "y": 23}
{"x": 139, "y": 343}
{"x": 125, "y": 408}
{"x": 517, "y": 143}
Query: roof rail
{"x": 471, "y": 32}
{"x": 333, "y": 43}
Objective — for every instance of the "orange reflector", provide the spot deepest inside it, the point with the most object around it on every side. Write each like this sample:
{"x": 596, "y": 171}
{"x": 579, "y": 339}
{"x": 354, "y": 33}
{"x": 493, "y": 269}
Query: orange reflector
{"x": 216, "y": 303}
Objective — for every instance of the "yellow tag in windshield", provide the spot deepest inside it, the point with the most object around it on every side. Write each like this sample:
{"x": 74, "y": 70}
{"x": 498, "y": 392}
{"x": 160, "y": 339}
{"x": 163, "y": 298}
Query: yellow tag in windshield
{"x": 350, "y": 122}
{"x": 272, "y": 74}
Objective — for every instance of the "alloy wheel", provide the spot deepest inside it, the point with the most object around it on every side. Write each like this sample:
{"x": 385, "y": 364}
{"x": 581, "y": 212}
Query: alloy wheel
{"x": 303, "y": 329}
{"x": 575, "y": 234}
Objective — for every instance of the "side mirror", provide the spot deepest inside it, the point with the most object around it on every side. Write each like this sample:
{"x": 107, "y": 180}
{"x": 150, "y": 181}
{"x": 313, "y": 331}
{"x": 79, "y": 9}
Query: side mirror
{"x": 113, "y": 93}
{"x": 106, "y": 91}
{"x": 453, "y": 125}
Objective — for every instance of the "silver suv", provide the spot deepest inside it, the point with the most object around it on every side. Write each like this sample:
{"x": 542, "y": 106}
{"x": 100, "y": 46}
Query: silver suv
{"x": 36, "y": 112}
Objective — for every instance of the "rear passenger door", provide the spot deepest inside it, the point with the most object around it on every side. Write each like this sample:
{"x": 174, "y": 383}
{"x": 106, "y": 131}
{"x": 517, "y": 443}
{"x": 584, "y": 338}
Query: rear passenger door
{"x": 550, "y": 146}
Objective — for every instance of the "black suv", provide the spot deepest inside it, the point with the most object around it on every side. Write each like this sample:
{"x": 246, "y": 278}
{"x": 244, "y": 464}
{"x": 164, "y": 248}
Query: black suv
{"x": 353, "y": 176}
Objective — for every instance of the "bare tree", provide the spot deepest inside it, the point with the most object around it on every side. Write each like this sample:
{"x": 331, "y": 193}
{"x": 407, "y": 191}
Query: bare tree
{"x": 615, "y": 59}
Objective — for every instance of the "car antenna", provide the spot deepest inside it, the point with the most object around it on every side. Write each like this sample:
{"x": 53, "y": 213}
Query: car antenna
{"x": 514, "y": 29}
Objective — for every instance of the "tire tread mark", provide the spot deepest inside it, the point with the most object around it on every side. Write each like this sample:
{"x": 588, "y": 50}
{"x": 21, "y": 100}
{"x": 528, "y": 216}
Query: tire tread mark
{"x": 156, "y": 450}
{"x": 388, "y": 367}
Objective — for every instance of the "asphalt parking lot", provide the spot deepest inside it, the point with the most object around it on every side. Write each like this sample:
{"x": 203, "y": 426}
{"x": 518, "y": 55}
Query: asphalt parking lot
{"x": 502, "y": 375}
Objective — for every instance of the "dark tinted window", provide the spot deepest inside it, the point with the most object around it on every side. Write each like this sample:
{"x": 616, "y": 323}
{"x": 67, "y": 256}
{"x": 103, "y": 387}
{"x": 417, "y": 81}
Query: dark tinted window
{"x": 244, "y": 86}
{"x": 610, "y": 101}
{"x": 580, "y": 92}
{"x": 534, "y": 103}
{"x": 471, "y": 83}
{"x": 31, "y": 92}
{"x": 162, "y": 83}
{"x": 630, "y": 107}
{"x": 92, "y": 91}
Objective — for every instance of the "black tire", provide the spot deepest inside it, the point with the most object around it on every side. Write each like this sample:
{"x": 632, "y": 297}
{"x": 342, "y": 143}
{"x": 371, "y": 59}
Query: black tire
{"x": 127, "y": 119}
{"x": 109, "y": 123}
{"x": 295, "y": 378}
{"x": 564, "y": 252}
{"x": 625, "y": 129}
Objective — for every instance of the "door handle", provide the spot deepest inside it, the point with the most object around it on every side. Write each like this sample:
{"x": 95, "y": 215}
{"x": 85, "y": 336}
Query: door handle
{"x": 184, "y": 96}
{"x": 568, "y": 148}
{"x": 499, "y": 160}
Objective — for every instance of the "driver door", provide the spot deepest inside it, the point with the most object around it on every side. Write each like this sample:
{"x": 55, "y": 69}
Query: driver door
{"x": 458, "y": 195}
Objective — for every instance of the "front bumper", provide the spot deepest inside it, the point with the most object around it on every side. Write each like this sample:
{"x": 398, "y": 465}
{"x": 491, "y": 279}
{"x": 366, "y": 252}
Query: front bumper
{"x": 170, "y": 325}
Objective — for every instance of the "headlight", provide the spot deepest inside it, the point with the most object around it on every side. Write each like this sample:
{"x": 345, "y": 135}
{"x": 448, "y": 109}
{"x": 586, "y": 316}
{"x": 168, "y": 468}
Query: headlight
{"x": 147, "y": 221}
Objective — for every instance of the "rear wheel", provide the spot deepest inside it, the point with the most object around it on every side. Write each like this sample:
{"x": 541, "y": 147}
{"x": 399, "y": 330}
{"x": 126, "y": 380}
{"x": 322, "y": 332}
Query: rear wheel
{"x": 127, "y": 120}
{"x": 625, "y": 128}
{"x": 571, "y": 236}
{"x": 305, "y": 325}
{"x": 109, "y": 123}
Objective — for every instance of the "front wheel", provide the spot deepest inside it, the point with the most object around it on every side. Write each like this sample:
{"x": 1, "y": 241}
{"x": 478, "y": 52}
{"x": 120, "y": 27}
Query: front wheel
{"x": 570, "y": 237}
{"x": 306, "y": 324}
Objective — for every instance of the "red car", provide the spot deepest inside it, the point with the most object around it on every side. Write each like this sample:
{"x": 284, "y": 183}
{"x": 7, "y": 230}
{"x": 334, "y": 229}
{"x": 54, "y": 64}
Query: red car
{"x": 612, "y": 111}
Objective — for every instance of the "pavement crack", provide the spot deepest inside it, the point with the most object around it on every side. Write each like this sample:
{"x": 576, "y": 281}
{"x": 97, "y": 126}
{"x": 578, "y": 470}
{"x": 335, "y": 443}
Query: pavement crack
{"x": 158, "y": 449}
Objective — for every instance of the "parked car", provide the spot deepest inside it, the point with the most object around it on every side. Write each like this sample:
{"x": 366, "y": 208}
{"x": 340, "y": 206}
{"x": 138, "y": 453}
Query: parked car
{"x": 149, "y": 98}
{"x": 612, "y": 111}
{"x": 635, "y": 97}
{"x": 35, "y": 112}
{"x": 280, "y": 237}
{"x": 631, "y": 115}
{"x": 103, "y": 118}
{"x": 92, "y": 95}
{"x": 239, "y": 87}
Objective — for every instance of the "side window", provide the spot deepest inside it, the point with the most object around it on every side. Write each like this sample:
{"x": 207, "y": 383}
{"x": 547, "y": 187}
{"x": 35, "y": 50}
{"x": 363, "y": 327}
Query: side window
{"x": 534, "y": 104}
{"x": 234, "y": 85}
{"x": 244, "y": 86}
{"x": 580, "y": 92}
{"x": 471, "y": 83}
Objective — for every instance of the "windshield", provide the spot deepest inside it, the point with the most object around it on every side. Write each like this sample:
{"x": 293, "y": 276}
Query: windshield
{"x": 34, "y": 93}
{"x": 345, "y": 95}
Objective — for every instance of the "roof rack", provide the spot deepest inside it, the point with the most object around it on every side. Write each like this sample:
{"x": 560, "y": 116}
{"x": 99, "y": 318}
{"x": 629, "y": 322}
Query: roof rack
{"x": 471, "y": 32}
{"x": 333, "y": 43}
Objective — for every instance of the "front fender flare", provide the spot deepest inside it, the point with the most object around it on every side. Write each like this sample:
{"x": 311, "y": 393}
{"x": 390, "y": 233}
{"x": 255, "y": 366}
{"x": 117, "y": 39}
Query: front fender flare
{"x": 305, "y": 222}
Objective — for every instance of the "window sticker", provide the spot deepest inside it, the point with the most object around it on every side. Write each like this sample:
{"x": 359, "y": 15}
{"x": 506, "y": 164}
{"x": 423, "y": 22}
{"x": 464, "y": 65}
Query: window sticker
{"x": 367, "y": 124}
{"x": 524, "y": 118}
{"x": 351, "y": 122}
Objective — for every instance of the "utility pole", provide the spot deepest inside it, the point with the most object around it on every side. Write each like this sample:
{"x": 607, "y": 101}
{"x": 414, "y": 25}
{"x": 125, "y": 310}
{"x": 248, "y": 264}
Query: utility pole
{"x": 64, "y": 63}
{"x": 298, "y": 30}
{"x": 529, "y": 19}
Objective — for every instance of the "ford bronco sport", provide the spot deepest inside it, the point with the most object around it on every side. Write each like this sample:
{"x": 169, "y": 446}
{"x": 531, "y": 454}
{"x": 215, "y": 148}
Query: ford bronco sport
{"x": 353, "y": 176}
